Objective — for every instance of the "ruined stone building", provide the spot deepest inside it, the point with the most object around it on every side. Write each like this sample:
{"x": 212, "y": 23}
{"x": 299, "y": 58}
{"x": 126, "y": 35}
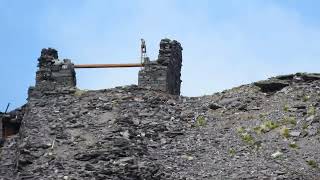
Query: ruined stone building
{"x": 55, "y": 76}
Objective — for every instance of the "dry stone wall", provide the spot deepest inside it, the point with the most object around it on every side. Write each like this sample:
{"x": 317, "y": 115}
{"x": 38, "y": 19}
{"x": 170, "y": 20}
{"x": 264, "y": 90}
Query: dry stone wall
{"x": 164, "y": 74}
{"x": 53, "y": 75}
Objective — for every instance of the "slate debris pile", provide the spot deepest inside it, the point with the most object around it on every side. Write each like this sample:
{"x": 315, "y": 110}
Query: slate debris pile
{"x": 135, "y": 133}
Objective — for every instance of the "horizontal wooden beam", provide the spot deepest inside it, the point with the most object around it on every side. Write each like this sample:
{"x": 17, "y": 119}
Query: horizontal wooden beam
{"x": 107, "y": 65}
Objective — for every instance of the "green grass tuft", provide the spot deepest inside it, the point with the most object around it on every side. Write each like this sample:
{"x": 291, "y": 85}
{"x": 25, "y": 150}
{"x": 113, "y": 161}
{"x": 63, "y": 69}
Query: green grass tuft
{"x": 79, "y": 92}
{"x": 293, "y": 145}
{"x": 289, "y": 120}
{"x": 201, "y": 121}
{"x": 311, "y": 111}
{"x": 305, "y": 98}
{"x": 247, "y": 138}
{"x": 240, "y": 130}
{"x": 271, "y": 125}
{"x": 232, "y": 152}
{"x": 266, "y": 127}
{"x": 312, "y": 163}
{"x": 286, "y": 108}
{"x": 305, "y": 126}
{"x": 284, "y": 131}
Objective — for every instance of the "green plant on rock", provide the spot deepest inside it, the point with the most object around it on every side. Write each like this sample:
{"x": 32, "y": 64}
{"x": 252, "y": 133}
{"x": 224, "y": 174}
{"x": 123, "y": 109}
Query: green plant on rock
{"x": 289, "y": 120}
{"x": 258, "y": 129}
{"x": 79, "y": 92}
{"x": 232, "y": 152}
{"x": 271, "y": 125}
{"x": 305, "y": 98}
{"x": 286, "y": 108}
{"x": 305, "y": 126}
{"x": 247, "y": 138}
{"x": 240, "y": 130}
{"x": 201, "y": 121}
{"x": 312, "y": 163}
{"x": 293, "y": 145}
{"x": 311, "y": 111}
{"x": 266, "y": 127}
{"x": 284, "y": 131}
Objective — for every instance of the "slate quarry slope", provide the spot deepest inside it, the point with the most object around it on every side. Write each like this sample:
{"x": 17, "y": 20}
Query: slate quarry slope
{"x": 269, "y": 129}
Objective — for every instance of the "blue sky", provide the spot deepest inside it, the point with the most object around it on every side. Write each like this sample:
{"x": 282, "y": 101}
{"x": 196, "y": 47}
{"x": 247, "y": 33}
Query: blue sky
{"x": 226, "y": 43}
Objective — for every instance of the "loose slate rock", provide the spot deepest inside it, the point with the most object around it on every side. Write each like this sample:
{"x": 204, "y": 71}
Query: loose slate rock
{"x": 271, "y": 86}
{"x": 214, "y": 106}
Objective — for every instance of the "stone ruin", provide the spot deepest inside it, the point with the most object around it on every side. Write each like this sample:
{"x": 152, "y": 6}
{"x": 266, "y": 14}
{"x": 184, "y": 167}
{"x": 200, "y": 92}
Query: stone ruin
{"x": 10, "y": 122}
{"x": 164, "y": 73}
{"x": 56, "y": 76}
{"x": 53, "y": 75}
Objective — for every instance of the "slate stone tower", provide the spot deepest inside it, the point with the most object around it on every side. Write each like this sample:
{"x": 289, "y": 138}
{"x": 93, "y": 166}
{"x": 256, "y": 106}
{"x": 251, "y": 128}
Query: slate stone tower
{"x": 164, "y": 74}
{"x": 53, "y": 75}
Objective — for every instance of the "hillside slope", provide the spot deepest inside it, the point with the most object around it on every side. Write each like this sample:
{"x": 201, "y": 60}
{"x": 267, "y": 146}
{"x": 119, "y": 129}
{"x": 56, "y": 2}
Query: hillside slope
{"x": 269, "y": 129}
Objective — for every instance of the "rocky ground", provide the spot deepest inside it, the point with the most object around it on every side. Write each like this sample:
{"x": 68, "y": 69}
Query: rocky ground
{"x": 265, "y": 130}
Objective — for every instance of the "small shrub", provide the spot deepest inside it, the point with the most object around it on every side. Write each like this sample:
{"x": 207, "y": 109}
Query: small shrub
{"x": 265, "y": 127}
{"x": 305, "y": 98}
{"x": 293, "y": 145}
{"x": 286, "y": 108}
{"x": 312, "y": 163}
{"x": 232, "y": 152}
{"x": 247, "y": 138}
{"x": 240, "y": 130}
{"x": 289, "y": 120}
{"x": 311, "y": 111}
{"x": 79, "y": 92}
{"x": 271, "y": 125}
{"x": 285, "y": 132}
{"x": 305, "y": 126}
{"x": 258, "y": 129}
{"x": 201, "y": 121}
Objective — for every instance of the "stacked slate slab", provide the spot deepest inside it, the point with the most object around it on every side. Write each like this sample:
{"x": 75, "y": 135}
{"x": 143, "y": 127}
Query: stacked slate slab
{"x": 164, "y": 74}
{"x": 53, "y": 75}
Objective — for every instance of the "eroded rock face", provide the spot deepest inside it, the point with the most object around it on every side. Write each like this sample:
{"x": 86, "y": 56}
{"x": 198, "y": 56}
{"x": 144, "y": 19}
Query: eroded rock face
{"x": 275, "y": 84}
{"x": 135, "y": 133}
{"x": 271, "y": 86}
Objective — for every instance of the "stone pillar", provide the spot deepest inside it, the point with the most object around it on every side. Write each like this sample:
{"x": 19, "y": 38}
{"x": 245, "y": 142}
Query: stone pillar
{"x": 53, "y": 75}
{"x": 164, "y": 74}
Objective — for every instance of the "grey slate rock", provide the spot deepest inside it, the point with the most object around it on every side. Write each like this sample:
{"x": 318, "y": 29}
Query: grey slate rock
{"x": 271, "y": 86}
